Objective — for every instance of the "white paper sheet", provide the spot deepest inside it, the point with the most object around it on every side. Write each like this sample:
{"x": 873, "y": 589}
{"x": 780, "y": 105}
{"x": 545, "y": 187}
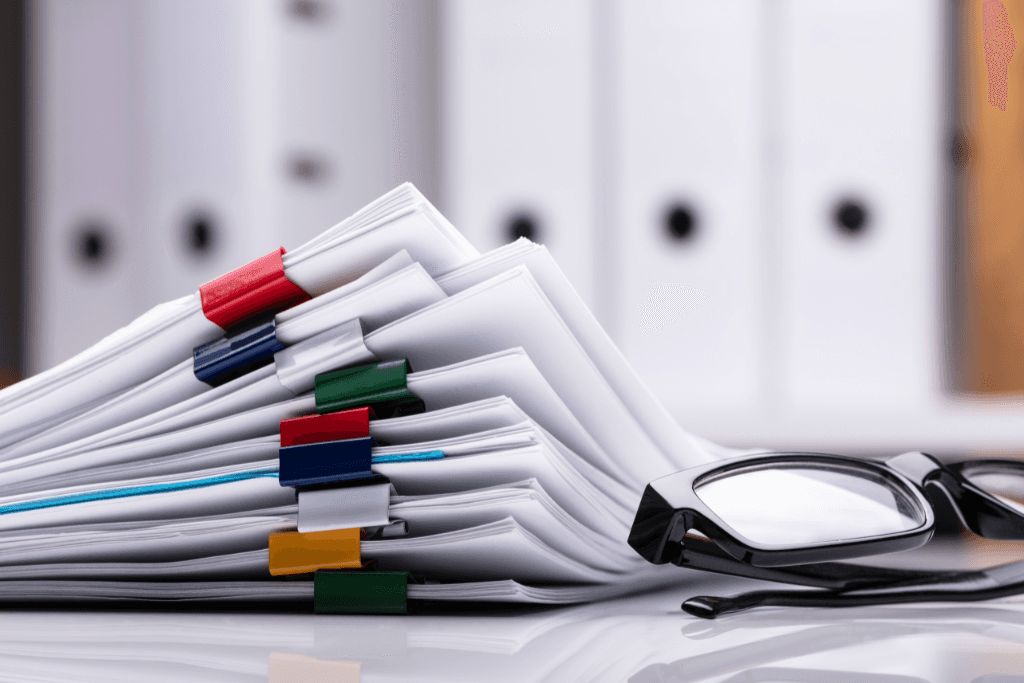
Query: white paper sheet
{"x": 234, "y": 496}
{"x": 250, "y": 564}
{"x": 157, "y": 591}
{"x": 252, "y": 452}
{"x": 501, "y": 549}
{"x": 511, "y": 310}
{"x": 531, "y": 507}
{"x": 405, "y": 197}
{"x": 265, "y": 421}
{"x": 570, "y": 490}
{"x": 172, "y": 387}
{"x": 448, "y": 423}
{"x": 152, "y": 344}
{"x": 376, "y": 304}
{"x": 525, "y": 433}
{"x": 648, "y": 411}
{"x": 161, "y": 542}
{"x": 370, "y": 236}
{"x": 388, "y": 267}
{"x": 249, "y": 392}
{"x": 516, "y": 592}
{"x": 511, "y": 373}
{"x": 498, "y": 439}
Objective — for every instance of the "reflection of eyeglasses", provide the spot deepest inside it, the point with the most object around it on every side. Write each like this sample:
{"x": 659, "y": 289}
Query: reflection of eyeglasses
{"x": 788, "y": 516}
{"x": 774, "y": 639}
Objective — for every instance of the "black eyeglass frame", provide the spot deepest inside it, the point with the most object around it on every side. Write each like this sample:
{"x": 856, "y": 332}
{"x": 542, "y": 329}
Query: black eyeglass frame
{"x": 659, "y": 531}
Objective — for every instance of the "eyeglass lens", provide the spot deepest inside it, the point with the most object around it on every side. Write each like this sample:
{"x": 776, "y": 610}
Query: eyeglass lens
{"x": 800, "y": 504}
{"x": 1004, "y": 482}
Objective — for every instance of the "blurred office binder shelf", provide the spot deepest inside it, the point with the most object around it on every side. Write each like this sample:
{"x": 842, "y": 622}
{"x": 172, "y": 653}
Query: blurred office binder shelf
{"x": 518, "y": 127}
{"x": 172, "y": 140}
{"x": 749, "y": 193}
{"x": 689, "y": 248}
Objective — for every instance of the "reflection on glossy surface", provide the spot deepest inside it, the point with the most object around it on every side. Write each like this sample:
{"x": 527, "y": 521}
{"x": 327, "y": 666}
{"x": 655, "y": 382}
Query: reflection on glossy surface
{"x": 779, "y": 674}
{"x": 640, "y": 639}
{"x": 286, "y": 667}
{"x": 799, "y": 505}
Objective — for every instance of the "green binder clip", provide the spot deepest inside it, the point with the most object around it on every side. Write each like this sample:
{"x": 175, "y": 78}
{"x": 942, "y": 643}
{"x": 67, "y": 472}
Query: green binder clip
{"x": 360, "y": 592}
{"x": 381, "y": 386}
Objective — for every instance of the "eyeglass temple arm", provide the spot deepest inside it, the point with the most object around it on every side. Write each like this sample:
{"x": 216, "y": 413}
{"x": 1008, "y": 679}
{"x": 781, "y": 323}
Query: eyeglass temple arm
{"x": 703, "y": 554}
{"x": 971, "y": 586}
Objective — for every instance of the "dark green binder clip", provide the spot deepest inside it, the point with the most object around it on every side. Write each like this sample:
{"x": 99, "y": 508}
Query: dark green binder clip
{"x": 360, "y": 592}
{"x": 381, "y": 386}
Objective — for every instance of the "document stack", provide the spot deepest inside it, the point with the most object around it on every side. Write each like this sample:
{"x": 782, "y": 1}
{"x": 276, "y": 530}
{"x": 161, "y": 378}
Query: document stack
{"x": 381, "y": 415}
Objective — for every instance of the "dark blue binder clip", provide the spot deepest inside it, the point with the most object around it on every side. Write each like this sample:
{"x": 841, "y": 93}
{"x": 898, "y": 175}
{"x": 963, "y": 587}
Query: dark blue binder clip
{"x": 244, "y": 348}
{"x": 327, "y": 461}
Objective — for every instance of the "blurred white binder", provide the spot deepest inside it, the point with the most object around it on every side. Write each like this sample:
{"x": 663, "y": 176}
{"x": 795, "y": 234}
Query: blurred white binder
{"x": 518, "y": 127}
{"x": 83, "y": 265}
{"x": 689, "y": 303}
{"x": 861, "y": 125}
{"x": 350, "y": 107}
{"x": 199, "y": 84}
{"x": 178, "y": 139}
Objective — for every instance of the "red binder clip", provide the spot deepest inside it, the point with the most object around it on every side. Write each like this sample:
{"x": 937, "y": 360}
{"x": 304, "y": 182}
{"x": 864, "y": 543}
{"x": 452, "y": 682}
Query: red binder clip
{"x": 257, "y": 287}
{"x": 347, "y": 424}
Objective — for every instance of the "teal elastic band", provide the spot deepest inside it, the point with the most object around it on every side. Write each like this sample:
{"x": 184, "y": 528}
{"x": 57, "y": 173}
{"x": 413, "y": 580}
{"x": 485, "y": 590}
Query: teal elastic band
{"x": 131, "y": 491}
{"x": 406, "y": 457}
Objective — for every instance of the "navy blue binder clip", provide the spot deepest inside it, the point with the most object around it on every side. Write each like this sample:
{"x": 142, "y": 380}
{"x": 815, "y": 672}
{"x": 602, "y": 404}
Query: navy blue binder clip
{"x": 244, "y": 348}
{"x": 327, "y": 461}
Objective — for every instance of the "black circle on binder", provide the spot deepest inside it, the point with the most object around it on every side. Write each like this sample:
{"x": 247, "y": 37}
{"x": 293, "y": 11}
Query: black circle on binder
{"x": 308, "y": 168}
{"x": 851, "y": 217}
{"x": 523, "y": 225}
{"x": 681, "y": 222}
{"x": 960, "y": 149}
{"x": 307, "y": 10}
{"x": 200, "y": 234}
{"x": 93, "y": 244}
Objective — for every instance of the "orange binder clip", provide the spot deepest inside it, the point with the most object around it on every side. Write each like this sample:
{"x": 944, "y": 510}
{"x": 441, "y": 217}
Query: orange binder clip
{"x": 295, "y": 553}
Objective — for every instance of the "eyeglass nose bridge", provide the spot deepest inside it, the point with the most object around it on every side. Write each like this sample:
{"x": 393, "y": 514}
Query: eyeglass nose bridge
{"x": 937, "y": 480}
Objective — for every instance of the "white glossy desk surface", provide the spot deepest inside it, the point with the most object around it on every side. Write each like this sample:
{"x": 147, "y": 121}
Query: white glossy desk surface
{"x": 641, "y": 639}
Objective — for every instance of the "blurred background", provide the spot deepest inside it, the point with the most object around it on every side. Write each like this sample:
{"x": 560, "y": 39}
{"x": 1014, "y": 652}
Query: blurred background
{"x": 801, "y": 220}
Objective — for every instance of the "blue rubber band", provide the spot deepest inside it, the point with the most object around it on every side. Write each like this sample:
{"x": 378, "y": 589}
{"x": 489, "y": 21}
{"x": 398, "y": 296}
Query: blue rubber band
{"x": 406, "y": 457}
{"x": 131, "y": 491}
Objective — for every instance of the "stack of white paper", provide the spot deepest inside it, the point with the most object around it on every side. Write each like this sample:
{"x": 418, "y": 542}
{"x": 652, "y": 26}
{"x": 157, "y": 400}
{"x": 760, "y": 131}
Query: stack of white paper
{"x": 123, "y": 476}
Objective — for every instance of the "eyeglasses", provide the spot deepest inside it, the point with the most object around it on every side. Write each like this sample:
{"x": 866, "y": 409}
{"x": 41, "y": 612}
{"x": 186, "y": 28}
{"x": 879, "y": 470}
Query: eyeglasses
{"x": 789, "y": 517}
